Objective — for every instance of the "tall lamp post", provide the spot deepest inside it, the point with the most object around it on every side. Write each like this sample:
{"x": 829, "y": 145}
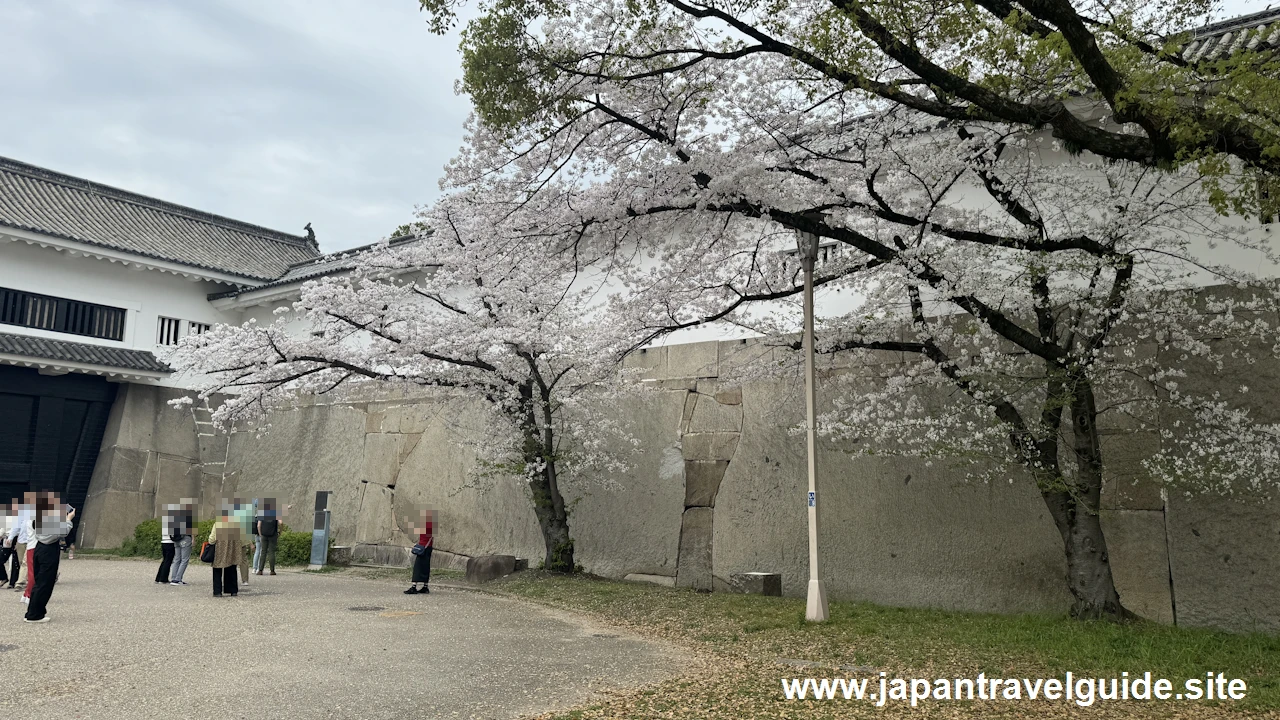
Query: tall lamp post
{"x": 816, "y": 607}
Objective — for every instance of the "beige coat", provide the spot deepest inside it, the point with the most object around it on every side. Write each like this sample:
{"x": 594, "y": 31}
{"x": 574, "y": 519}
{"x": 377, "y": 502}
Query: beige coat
{"x": 228, "y": 541}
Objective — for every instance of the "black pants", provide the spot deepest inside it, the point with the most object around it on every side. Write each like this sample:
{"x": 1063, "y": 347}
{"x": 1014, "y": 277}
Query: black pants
{"x": 15, "y": 565}
{"x": 226, "y": 579}
{"x": 44, "y": 562}
{"x": 166, "y": 562}
{"x": 422, "y": 567}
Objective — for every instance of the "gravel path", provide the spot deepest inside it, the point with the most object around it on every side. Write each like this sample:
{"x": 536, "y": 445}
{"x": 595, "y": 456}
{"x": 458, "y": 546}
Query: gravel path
{"x": 301, "y": 646}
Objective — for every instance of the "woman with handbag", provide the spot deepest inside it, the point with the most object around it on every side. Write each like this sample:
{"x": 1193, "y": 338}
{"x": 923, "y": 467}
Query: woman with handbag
{"x": 422, "y": 554}
{"x": 228, "y": 543}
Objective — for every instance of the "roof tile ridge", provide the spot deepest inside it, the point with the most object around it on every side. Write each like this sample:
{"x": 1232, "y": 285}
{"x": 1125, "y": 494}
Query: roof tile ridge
{"x": 115, "y": 193}
{"x": 1250, "y": 20}
{"x": 349, "y": 252}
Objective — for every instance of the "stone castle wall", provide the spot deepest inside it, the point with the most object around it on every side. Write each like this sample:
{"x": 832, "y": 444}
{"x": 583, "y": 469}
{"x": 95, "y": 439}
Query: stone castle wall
{"x": 718, "y": 488}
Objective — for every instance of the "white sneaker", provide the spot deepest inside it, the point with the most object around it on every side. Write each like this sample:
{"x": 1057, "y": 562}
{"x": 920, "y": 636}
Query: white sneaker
{"x": 174, "y": 582}
{"x": 44, "y": 619}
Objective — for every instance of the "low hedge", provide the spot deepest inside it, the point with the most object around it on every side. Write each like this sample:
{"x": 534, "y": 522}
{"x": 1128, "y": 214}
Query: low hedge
{"x": 293, "y": 548}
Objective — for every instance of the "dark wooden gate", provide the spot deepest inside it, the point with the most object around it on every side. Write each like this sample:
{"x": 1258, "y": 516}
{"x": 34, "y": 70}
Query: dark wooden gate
{"x": 50, "y": 431}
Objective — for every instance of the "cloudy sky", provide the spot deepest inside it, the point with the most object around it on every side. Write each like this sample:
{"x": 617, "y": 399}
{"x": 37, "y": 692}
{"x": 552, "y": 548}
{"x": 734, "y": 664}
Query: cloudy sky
{"x": 340, "y": 113}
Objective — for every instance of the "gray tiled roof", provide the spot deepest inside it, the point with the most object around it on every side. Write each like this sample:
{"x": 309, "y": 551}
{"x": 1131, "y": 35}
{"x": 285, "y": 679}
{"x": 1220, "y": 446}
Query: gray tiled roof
{"x": 43, "y": 201}
{"x": 1257, "y": 31}
{"x": 45, "y": 349}
{"x": 316, "y": 267}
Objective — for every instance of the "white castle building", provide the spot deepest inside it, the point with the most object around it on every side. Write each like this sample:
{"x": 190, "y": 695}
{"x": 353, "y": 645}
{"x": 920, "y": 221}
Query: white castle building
{"x": 95, "y": 280}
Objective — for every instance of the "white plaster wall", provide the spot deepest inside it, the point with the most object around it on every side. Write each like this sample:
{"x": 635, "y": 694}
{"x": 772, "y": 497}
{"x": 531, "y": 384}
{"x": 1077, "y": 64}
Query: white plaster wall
{"x": 146, "y": 294}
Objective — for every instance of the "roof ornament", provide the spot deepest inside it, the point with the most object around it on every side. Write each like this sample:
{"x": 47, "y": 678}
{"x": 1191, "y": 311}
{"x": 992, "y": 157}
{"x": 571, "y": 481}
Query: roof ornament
{"x": 311, "y": 237}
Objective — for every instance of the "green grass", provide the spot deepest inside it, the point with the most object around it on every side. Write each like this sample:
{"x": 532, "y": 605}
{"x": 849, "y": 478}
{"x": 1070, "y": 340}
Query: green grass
{"x": 903, "y": 641}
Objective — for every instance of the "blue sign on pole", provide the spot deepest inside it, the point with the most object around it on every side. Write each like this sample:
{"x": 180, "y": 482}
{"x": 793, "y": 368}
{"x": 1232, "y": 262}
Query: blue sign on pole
{"x": 813, "y": 499}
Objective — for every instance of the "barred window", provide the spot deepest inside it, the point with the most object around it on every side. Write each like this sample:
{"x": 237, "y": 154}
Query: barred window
{"x": 197, "y": 328}
{"x": 170, "y": 331}
{"x": 44, "y": 312}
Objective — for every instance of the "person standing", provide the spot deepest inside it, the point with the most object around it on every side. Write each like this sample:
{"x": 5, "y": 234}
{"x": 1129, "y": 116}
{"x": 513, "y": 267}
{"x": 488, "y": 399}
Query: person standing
{"x": 243, "y": 514}
{"x": 184, "y": 534}
{"x": 256, "y": 565}
{"x": 6, "y": 519}
{"x": 267, "y": 529}
{"x": 53, "y": 522}
{"x": 167, "y": 525}
{"x": 228, "y": 552}
{"x": 9, "y": 541}
{"x": 24, "y": 542}
{"x": 422, "y": 554}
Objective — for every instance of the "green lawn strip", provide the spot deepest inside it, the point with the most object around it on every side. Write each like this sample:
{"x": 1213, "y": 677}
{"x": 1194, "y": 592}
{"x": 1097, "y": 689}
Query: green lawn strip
{"x": 752, "y": 633}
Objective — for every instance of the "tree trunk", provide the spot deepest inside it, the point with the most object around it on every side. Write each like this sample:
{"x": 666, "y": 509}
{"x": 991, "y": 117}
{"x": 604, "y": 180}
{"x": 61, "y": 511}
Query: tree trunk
{"x": 1075, "y": 511}
{"x": 548, "y": 503}
{"x": 1088, "y": 565}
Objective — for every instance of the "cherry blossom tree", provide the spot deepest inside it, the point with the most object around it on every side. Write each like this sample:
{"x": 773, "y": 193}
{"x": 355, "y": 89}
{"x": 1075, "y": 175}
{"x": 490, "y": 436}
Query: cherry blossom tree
{"x": 471, "y": 309}
{"x": 1027, "y": 197}
{"x": 1016, "y": 62}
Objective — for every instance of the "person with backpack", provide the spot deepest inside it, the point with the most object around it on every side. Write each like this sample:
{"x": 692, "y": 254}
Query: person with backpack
{"x": 267, "y": 527}
{"x": 167, "y": 525}
{"x": 183, "y": 533}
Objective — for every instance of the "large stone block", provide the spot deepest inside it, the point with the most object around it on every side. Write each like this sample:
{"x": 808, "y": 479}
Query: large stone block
{"x": 340, "y": 555}
{"x": 383, "y": 555}
{"x": 110, "y": 517}
{"x": 711, "y": 416}
{"x": 175, "y": 478}
{"x": 382, "y": 458}
{"x": 757, "y": 583}
{"x": 702, "y": 481}
{"x": 663, "y": 580}
{"x": 490, "y": 567}
{"x": 648, "y": 363}
{"x": 1226, "y": 562}
{"x": 414, "y": 418}
{"x": 375, "y": 522}
{"x": 729, "y": 396}
{"x": 1139, "y": 555}
{"x": 709, "y": 446}
{"x": 122, "y": 468}
{"x": 894, "y": 531}
{"x": 632, "y": 524}
{"x": 740, "y": 356}
{"x": 305, "y": 450}
{"x": 696, "y": 531}
{"x": 1127, "y": 484}
{"x": 693, "y": 360}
